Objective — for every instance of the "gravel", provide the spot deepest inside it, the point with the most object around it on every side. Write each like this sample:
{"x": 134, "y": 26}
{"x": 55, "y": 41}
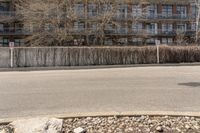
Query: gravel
{"x": 140, "y": 124}
{"x": 137, "y": 124}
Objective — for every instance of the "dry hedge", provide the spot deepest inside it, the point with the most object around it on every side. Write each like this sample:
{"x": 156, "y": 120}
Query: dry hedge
{"x": 83, "y": 56}
{"x": 179, "y": 54}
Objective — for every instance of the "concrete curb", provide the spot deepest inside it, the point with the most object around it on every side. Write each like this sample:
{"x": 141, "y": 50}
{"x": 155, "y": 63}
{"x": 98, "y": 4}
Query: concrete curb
{"x": 94, "y": 67}
{"x": 107, "y": 114}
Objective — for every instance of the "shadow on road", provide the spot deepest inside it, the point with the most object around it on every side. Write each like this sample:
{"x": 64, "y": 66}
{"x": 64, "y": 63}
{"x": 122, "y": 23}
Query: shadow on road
{"x": 191, "y": 84}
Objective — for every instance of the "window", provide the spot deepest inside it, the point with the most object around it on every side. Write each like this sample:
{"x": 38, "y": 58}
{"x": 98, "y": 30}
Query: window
{"x": 4, "y": 6}
{"x": 93, "y": 26}
{"x": 164, "y": 40}
{"x": 19, "y": 42}
{"x": 107, "y": 8}
{"x": 152, "y": 28}
{"x": 79, "y": 9}
{"x": 1, "y": 42}
{"x": 136, "y": 11}
{"x": 137, "y": 27}
{"x": 194, "y": 11}
{"x": 47, "y": 27}
{"x": 181, "y": 27}
{"x": 1, "y": 27}
{"x": 79, "y": 26}
{"x": 19, "y": 27}
{"x": 137, "y": 40}
{"x": 122, "y": 11}
{"x": 151, "y": 41}
{"x": 123, "y": 40}
{"x": 170, "y": 40}
{"x": 167, "y": 27}
{"x": 167, "y": 40}
{"x": 122, "y": 29}
{"x": 4, "y": 42}
{"x": 167, "y": 10}
{"x": 92, "y": 10}
{"x": 181, "y": 11}
{"x": 193, "y": 26}
{"x": 108, "y": 27}
{"x": 152, "y": 10}
{"x": 108, "y": 42}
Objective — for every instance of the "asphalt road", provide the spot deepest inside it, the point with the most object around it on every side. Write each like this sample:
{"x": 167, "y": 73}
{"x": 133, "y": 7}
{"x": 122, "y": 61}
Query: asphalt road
{"x": 36, "y": 93}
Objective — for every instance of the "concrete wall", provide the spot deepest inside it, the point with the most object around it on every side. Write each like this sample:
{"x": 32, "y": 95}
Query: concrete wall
{"x": 4, "y": 57}
{"x": 83, "y": 56}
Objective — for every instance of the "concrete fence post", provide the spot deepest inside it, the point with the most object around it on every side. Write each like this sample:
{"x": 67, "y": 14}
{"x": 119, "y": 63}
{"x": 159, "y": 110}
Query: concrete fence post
{"x": 158, "y": 54}
{"x": 11, "y": 56}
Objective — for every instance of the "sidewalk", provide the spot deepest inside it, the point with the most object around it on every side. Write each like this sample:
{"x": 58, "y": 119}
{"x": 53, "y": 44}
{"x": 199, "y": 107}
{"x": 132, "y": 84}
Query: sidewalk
{"x": 95, "y": 67}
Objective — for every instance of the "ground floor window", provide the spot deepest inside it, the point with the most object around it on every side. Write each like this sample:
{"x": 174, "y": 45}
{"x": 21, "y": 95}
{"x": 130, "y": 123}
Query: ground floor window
{"x": 167, "y": 40}
{"x": 151, "y": 41}
{"x": 108, "y": 42}
{"x": 79, "y": 26}
{"x": 4, "y": 42}
{"x": 122, "y": 41}
{"x": 137, "y": 40}
{"x": 19, "y": 42}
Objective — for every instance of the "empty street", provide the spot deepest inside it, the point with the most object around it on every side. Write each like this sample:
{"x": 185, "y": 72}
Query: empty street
{"x": 100, "y": 90}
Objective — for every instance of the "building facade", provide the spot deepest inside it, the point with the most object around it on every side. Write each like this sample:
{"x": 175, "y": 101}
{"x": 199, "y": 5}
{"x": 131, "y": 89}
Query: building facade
{"x": 167, "y": 22}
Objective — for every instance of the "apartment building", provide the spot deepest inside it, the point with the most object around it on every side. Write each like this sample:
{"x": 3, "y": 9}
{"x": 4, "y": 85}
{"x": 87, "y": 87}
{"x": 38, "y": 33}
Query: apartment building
{"x": 159, "y": 20}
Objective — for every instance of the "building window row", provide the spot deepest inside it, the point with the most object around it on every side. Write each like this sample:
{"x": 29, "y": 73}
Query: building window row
{"x": 152, "y": 10}
{"x": 17, "y": 41}
{"x": 136, "y": 27}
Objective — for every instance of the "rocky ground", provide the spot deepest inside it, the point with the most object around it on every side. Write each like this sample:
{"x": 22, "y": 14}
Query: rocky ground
{"x": 139, "y": 124}
{"x": 143, "y": 124}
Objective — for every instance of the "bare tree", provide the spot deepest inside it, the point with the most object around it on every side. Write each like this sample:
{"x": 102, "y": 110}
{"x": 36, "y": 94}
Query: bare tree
{"x": 51, "y": 20}
{"x": 197, "y": 16}
{"x": 180, "y": 37}
{"x": 104, "y": 20}
{"x": 109, "y": 17}
{"x": 7, "y": 17}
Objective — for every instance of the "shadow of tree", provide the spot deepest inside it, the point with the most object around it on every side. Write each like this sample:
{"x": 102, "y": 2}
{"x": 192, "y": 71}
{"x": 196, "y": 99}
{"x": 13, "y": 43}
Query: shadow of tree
{"x": 191, "y": 84}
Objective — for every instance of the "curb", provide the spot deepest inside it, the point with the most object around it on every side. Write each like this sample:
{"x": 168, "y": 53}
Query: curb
{"x": 109, "y": 114}
{"x": 94, "y": 67}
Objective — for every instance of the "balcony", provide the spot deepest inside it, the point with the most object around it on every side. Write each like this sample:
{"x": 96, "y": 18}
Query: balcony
{"x": 15, "y": 31}
{"x": 166, "y": 17}
{"x": 109, "y": 32}
{"x": 143, "y": 32}
{"x": 120, "y": 16}
{"x": 81, "y": 15}
{"x": 8, "y": 13}
{"x": 145, "y": 17}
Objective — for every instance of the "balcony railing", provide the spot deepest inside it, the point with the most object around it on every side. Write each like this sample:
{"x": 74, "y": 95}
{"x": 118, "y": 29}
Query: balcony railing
{"x": 93, "y": 31}
{"x": 139, "y": 32}
{"x": 131, "y": 16}
{"x": 15, "y": 31}
{"x": 121, "y": 16}
{"x": 168, "y": 16}
{"x": 8, "y": 13}
{"x": 154, "y": 17}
